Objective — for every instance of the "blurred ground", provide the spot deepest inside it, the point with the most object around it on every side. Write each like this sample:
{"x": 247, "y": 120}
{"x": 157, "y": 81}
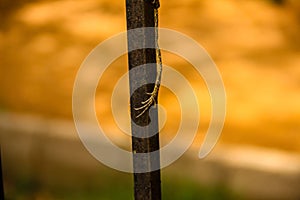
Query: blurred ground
{"x": 50, "y": 163}
{"x": 255, "y": 44}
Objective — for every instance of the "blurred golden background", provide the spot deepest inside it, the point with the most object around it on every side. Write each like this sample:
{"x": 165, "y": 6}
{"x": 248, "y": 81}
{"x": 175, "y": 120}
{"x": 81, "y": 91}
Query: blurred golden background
{"x": 254, "y": 43}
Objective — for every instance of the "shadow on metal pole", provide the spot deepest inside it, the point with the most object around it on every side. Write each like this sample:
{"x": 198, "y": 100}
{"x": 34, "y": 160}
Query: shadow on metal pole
{"x": 147, "y": 186}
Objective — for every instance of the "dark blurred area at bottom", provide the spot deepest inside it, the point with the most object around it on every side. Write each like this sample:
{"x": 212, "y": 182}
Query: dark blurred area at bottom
{"x": 44, "y": 159}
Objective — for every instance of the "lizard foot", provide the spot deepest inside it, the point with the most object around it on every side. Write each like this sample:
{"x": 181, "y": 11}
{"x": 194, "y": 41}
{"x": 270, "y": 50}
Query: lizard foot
{"x": 147, "y": 103}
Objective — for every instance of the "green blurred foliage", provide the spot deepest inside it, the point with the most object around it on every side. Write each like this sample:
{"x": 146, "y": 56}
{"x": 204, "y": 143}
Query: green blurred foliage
{"x": 116, "y": 187}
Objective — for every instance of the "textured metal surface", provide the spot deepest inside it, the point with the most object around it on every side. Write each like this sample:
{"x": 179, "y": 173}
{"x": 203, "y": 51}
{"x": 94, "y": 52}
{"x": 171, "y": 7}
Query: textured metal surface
{"x": 140, "y": 13}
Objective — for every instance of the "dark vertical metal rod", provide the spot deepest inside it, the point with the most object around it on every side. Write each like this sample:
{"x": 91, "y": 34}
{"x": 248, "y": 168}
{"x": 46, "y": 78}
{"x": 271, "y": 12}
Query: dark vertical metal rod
{"x": 147, "y": 186}
{"x": 1, "y": 179}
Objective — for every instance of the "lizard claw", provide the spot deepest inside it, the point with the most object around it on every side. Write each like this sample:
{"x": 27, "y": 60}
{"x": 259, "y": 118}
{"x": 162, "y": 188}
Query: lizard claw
{"x": 147, "y": 103}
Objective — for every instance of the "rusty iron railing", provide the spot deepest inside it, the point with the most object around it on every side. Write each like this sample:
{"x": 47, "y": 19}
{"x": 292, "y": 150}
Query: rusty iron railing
{"x": 147, "y": 185}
